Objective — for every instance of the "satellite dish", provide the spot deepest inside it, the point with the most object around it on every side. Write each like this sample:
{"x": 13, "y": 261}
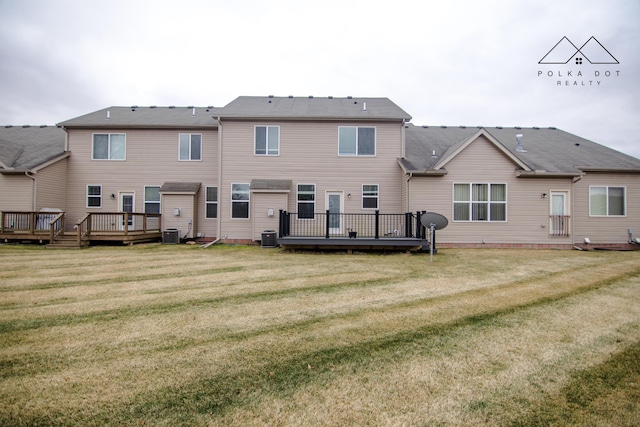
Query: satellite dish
{"x": 439, "y": 221}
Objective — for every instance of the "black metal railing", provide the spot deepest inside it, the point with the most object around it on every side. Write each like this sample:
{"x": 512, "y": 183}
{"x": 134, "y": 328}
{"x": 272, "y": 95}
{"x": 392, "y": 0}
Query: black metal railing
{"x": 374, "y": 225}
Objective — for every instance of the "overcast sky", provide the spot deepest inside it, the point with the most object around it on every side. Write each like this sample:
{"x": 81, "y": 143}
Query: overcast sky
{"x": 444, "y": 62}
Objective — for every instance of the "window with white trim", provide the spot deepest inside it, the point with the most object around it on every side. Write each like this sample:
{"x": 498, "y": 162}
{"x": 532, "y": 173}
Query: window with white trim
{"x": 152, "y": 199}
{"x": 189, "y": 146}
{"x": 240, "y": 196}
{"x": 356, "y": 141}
{"x": 607, "y": 201}
{"x": 211, "y": 202}
{"x": 267, "y": 140}
{"x": 479, "y": 202}
{"x": 370, "y": 195}
{"x": 109, "y": 146}
{"x": 94, "y": 196}
{"x": 306, "y": 201}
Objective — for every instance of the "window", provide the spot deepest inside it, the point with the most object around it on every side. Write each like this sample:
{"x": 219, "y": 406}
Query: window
{"x": 356, "y": 141}
{"x": 267, "y": 142}
{"x": 370, "y": 196}
{"x": 109, "y": 146}
{"x": 94, "y": 196}
{"x": 239, "y": 200}
{"x": 479, "y": 202}
{"x": 152, "y": 199}
{"x": 190, "y": 146}
{"x": 211, "y": 202}
{"x": 306, "y": 201}
{"x": 607, "y": 201}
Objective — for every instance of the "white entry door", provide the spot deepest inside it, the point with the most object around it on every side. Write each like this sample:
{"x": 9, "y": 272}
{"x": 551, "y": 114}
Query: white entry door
{"x": 334, "y": 204}
{"x": 559, "y": 214}
{"x": 127, "y": 203}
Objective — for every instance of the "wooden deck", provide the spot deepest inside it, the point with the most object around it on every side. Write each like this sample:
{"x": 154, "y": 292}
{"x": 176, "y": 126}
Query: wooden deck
{"x": 123, "y": 227}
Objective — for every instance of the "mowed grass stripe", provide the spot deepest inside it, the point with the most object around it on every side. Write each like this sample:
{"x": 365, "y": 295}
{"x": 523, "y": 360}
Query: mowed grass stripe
{"x": 146, "y": 309}
{"x": 280, "y": 374}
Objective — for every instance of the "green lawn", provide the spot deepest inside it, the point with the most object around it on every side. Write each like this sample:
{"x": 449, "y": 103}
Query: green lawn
{"x": 166, "y": 335}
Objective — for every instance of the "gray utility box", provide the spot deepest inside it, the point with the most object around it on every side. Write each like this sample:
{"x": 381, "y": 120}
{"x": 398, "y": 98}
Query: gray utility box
{"x": 269, "y": 239}
{"x": 171, "y": 235}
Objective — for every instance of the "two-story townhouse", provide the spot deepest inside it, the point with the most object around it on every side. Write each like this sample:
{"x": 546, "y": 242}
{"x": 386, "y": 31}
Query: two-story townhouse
{"x": 146, "y": 159}
{"x": 306, "y": 155}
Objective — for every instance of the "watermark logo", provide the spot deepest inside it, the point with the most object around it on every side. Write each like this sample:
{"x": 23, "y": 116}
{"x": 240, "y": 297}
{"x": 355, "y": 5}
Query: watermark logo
{"x": 591, "y": 63}
{"x": 565, "y": 51}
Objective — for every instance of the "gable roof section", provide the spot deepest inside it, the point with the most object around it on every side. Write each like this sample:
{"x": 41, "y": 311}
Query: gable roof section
{"x": 548, "y": 151}
{"x": 146, "y": 117}
{"x": 314, "y": 108}
{"x": 27, "y": 148}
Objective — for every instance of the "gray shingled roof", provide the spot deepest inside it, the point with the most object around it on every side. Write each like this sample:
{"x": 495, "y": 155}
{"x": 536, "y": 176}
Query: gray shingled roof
{"x": 180, "y": 187}
{"x": 547, "y": 149}
{"x": 23, "y": 148}
{"x": 146, "y": 117}
{"x": 271, "y": 184}
{"x": 318, "y": 108}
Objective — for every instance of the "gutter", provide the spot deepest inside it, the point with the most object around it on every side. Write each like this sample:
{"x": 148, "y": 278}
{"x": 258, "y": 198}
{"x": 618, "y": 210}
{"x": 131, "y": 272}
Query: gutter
{"x": 545, "y": 174}
{"x": 35, "y": 189}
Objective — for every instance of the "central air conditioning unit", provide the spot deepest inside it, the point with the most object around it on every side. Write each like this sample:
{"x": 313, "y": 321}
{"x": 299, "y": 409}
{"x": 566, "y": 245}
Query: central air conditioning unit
{"x": 171, "y": 235}
{"x": 269, "y": 239}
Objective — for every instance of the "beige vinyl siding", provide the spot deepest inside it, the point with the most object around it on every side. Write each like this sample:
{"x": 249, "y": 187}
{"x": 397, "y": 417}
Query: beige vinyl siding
{"x": 309, "y": 154}
{"x": 151, "y": 159}
{"x": 261, "y": 203}
{"x": 16, "y": 193}
{"x": 51, "y": 187}
{"x": 187, "y": 212}
{"x": 612, "y": 229}
{"x": 481, "y": 162}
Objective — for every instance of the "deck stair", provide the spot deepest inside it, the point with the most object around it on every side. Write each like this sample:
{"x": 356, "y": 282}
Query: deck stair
{"x": 67, "y": 241}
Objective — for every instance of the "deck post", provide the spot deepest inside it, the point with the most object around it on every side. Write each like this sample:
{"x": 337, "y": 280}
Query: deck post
{"x": 32, "y": 222}
{"x": 377, "y": 225}
{"x": 326, "y": 233}
{"x": 408, "y": 232}
{"x": 420, "y": 232}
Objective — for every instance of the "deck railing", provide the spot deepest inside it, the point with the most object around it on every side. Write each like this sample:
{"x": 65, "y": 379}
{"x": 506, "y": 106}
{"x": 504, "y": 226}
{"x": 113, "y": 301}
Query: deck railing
{"x": 31, "y": 222}
{"x": 374, "y": 225}
{"x": 560, "y": 225}
{"x": 122, "y": 222}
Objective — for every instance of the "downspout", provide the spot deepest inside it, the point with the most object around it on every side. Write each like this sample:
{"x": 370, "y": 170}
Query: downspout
{"x": 573, "y": 195}
{"x": 219, "y": 219}
{"x": 408, "y": 192}
{"x": 35, "y": 189}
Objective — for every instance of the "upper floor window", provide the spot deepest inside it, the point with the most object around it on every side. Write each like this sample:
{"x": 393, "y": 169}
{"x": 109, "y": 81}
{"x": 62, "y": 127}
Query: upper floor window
{"x": 94, "y": 196}
{"x": 479, "y": 202}
{"x": 211, "y": 202}
{"x": 109, "y": 146}
{"x": 607, "y": 201}
{"x": 152, "y": 199}
{"x": 306, "y": 201}
{"x": 190, "y": 146}
{"x": 267, "y": 141}
{"x": 240, "y": 195}
{"x": 370, "y": 196}
{"x": 356, "y": 141}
